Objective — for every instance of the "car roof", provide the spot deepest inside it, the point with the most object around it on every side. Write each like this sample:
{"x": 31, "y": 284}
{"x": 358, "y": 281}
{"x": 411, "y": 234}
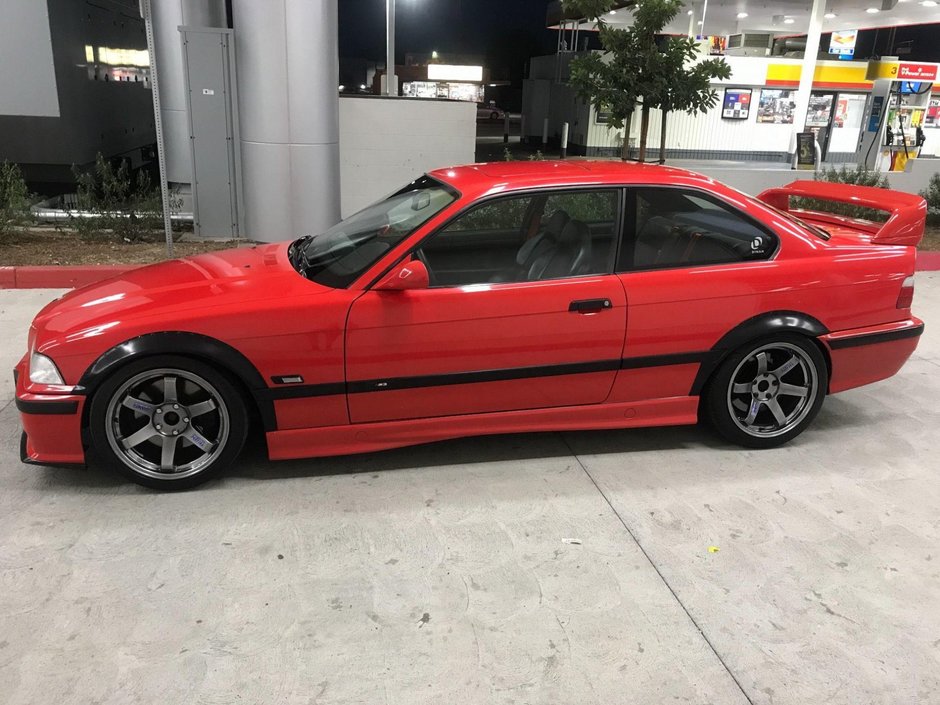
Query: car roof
{"x": 480, "y": 179}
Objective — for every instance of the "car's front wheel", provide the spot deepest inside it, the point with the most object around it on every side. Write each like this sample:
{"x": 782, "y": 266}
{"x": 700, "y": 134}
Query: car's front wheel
{"x": 768, "y": 392}
{"x": 168, "y": 422}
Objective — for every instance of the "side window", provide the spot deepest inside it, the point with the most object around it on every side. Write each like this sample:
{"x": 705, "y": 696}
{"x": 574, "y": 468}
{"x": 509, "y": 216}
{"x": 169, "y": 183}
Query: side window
{"x": 506, "y": 214}
{"x": 552, "y": 235}
{"x": 677, "y": 228}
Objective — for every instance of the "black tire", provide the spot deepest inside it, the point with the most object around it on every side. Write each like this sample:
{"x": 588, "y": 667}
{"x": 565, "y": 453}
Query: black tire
{"x": 773, "y": 387}
{"x": 189, "y": 418}
{"x": 494, "y": 116}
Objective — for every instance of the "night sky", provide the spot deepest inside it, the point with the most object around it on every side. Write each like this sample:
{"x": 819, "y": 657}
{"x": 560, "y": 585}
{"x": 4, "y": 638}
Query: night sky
{"x": 507, "y": 32}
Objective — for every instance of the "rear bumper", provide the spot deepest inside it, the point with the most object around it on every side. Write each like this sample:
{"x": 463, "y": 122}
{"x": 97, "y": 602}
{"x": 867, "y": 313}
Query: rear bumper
{"x": 52, "y": 425}
{"x": 865, "y": 355}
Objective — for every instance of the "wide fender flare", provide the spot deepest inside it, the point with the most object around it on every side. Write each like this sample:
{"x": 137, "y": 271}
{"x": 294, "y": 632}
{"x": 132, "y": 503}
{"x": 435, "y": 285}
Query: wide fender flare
{"x": 762, "y": 326}
{"x": 194, "y": 345}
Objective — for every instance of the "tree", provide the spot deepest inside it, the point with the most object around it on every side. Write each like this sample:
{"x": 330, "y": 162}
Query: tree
{"x": 641, "y": 67}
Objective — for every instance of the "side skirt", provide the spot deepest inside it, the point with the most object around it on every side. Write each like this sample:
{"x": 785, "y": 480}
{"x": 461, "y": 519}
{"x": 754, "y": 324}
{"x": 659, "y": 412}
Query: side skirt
{"x": 368, "y": 437}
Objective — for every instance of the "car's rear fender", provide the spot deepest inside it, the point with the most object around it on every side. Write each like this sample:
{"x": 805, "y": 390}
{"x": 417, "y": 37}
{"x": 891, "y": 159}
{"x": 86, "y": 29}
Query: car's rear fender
{"x": 761, "y": 326}
{"x": 209, "y": 350}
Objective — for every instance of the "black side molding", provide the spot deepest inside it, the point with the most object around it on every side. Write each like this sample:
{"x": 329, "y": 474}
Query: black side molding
{"x": 875, "y": 338}
{"x": 49, "y": 408}
{"x": 499, "y": 375}
{"x": 633, "y": 363}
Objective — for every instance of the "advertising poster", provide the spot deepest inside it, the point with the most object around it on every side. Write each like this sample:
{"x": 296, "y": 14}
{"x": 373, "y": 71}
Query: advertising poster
{"x": 776, "y": 106}
{"x": 842, "y": 43}
{"x": 805, "y": 150}
{"x": 820, "y": 108}
{"x": 737, "y": 104}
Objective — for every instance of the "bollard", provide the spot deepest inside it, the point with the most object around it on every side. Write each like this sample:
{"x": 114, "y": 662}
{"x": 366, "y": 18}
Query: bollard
{"x": 564, "y": 140}
{"x": 522, "y": 129}
{"x": 544, "y": 133}
{"x": 506, "y": 129}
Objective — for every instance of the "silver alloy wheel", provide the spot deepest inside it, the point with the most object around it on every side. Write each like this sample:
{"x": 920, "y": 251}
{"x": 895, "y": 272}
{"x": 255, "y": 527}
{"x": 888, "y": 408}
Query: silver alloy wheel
{"x": 167, "y": 423}
{"x": 772, "y": 390}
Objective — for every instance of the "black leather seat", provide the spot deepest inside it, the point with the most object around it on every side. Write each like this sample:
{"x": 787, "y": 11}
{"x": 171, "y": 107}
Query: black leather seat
{"x": 568, "y": 256}
{"x": 535, "y": 247}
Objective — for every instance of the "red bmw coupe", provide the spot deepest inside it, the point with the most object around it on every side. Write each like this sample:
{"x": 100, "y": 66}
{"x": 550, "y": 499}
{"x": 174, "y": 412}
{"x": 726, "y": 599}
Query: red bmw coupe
{"x": 493, "y": 298}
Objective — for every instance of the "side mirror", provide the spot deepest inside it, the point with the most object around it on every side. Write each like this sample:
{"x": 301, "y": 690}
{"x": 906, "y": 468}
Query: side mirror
{"x": 405, "y": 276}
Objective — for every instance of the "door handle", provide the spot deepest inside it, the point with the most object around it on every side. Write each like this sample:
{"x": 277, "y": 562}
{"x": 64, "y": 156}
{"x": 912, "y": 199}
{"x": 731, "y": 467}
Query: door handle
{"x": 589, "y": 305}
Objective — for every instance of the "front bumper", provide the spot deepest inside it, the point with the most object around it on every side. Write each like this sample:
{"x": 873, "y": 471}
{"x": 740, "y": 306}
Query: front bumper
{"x": 52, "y": 424}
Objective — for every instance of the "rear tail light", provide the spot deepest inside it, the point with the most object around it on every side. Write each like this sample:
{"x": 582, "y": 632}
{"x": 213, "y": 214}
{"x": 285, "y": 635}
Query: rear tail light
{"x": 906, "y": 297}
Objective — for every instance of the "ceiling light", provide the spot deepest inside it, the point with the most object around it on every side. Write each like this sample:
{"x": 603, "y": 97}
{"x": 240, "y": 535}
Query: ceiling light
{"x": 929, "y": 3}
{"x": 830, "y": 15}
{"x": 700, "y": 23}
{"x": 689, "y": 13}
{"x": 788, "y": 20}
{"x": 742, "y": 15}
{"x": 613, "y": 12}
{"x": 872, "y": 10}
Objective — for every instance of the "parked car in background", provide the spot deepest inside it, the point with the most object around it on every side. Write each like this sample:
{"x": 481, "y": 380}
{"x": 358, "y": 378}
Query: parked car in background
{"x": 492, "y": 298}
{"x": 490, "y": 112}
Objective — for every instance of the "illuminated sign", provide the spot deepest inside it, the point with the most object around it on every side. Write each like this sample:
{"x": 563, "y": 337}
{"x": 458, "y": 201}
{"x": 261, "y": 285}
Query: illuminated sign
{"x": 842, "y": 43}
{"x": 917, "y": 72}
{"x": 448, "y": 72}
{"x": 901, "y": 70}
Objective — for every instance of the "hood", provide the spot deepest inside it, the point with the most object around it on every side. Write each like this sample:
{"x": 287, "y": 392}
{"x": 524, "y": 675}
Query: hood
{"x": 174, "y": 289}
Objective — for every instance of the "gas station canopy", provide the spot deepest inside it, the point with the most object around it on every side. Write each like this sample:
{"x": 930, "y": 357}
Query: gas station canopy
{"x": 722, "y": 17}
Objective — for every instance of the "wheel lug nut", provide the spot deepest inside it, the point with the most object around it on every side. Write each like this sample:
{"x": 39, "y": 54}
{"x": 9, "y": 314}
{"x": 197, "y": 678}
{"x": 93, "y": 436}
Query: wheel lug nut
{"x": 176, "y": 433}
{"x": 185, "y": 420}
{"x": 159, "y": 411}
{"x": 159, "y": 427}
{"x": 176, "y": 406}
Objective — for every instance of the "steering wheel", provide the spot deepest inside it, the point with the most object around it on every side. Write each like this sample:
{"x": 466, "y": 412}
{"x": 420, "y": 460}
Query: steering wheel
{"x": 422, "y": 258}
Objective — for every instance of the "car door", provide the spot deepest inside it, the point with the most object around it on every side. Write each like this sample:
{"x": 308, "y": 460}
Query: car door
{"x": 542, "y": 328}
{"x": 693, "y": 266}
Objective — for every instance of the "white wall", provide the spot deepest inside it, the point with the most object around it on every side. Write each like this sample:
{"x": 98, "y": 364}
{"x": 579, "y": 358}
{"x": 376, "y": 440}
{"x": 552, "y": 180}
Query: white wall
{"x": 27, "y": 74}
{"x": 753, "y": 181}
{"x": 710, "y": 132}
{"x": 385, "y": 143}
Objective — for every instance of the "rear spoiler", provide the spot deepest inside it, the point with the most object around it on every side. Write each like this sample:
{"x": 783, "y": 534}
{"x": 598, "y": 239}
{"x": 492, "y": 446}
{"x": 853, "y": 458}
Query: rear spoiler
{"x": 905, "y": 225}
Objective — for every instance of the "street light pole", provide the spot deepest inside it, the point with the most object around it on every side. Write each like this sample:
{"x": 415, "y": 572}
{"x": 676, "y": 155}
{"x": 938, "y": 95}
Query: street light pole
{"x": 391, "y": 85}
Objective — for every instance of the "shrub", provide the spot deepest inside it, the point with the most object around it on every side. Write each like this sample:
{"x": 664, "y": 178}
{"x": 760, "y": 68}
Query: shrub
{"x": 125, "y": 208}
{"x": 932, "y": 195}
{"x": 858, "y": 176}
{"x": 14, "y": 199}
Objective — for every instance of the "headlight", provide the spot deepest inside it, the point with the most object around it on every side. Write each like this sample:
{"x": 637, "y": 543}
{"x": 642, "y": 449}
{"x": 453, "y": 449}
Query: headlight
{"x": 42, "y": 370}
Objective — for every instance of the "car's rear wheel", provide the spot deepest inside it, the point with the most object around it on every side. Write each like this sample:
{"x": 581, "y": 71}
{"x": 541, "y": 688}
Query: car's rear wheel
{"x": 494, "y": 116}
{"x": 768, "y": 392}
{"x": 168, "y": 422}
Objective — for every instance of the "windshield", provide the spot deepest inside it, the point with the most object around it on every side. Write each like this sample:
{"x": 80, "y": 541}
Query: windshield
{"x": 337, "y": 257}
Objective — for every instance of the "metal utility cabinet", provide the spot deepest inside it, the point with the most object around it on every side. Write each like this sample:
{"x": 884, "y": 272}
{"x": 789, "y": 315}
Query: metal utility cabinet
{"x": 212, "y": 107}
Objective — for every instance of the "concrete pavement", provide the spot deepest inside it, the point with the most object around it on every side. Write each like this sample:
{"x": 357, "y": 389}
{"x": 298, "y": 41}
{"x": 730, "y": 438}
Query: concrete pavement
{"x": 548, "y": 568}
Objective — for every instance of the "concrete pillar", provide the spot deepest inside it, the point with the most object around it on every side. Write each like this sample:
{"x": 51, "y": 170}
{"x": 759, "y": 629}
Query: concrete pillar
{"x": 168, "y": 15}
{"x": 288, "y": 106}
{"x": 808, "y": 68}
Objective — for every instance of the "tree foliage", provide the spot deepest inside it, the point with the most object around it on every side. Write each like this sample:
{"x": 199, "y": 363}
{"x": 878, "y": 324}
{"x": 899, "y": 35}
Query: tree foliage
{"x": 640, "y": 67}
{"x": 125, "y": 208}
{"x": 14, "y": 200}
{"x": 932, "y": 195}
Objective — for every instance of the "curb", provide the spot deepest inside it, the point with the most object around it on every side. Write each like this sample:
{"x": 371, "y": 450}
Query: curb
{"x": 59, "y": 277}
{"x": 928, "y": 261}
{"x": 62, "y": 277}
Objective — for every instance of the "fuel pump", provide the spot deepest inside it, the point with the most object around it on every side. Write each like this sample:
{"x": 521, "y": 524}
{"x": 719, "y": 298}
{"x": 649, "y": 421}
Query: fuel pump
{"x": 895, "y": 112}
